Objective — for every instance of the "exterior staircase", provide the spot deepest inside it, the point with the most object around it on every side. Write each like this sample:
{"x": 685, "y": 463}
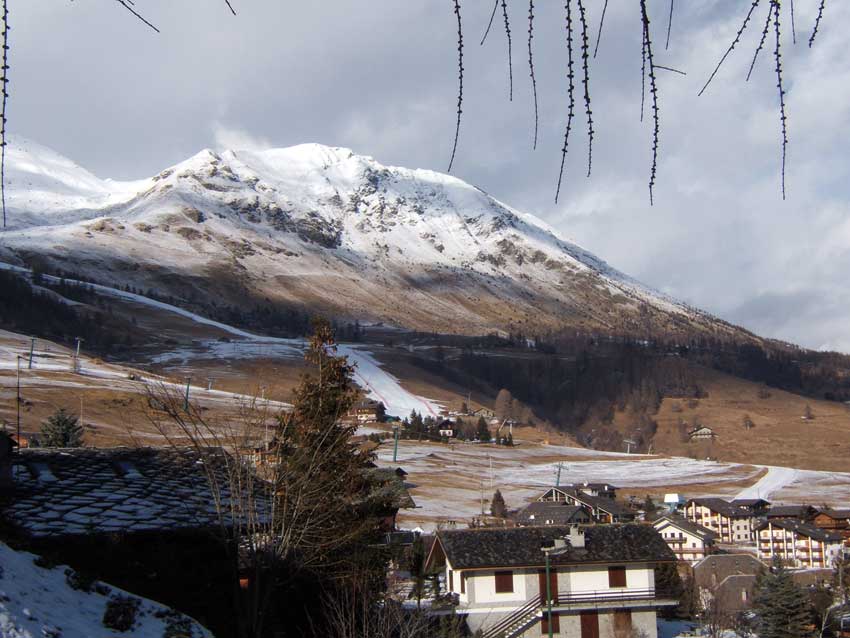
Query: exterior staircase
{"x": 517, "y": 622}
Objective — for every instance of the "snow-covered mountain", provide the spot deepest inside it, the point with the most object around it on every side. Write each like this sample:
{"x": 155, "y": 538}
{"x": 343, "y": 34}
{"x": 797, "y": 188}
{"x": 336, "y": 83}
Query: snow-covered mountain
{"x": 327, "y": 229}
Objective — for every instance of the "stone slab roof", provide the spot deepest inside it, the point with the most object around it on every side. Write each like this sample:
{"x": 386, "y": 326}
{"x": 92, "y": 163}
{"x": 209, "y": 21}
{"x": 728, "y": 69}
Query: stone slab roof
{"x": 59, "y": 492}
{"x": 539, "y": 512}
{"x": 521, "y": 546}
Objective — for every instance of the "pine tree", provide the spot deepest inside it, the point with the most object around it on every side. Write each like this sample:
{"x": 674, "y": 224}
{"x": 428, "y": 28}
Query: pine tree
{"x": 781, "y": 606}
{"x": 61, "y": 430}
{"x": 482, "y": 432}
{"x": 497, "y": 505}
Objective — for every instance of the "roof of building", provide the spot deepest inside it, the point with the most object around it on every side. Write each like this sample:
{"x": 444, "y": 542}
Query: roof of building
{"x": 597, "y": 502}
{"x": 840, "y": 514}
{"x": 521, "y": 546}
{"x": 558, "y": 512}
{"x": 724, "y": 565}
{"x": 750, "y": 502}
{"x": 803, "y": 529}
{"x": 60, "y": 492}
{"x": 790, "y": 511}
{"x": 389, "y": 488}
{"x": 722, "y": 507}
{"x": 685, "y": 525}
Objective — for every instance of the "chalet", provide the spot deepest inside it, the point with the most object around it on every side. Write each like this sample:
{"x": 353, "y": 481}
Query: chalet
{"x": 802, "y": 513}
{"x": 600, "y": 579}
{"x": 604, "y": 490}
{"x": 602, "y": 509}
{"x": 690, "y": 542}
{"x": 731, "y": 523}
{"x": 446, "y": 429}
{"x": 552, "y": 513}
{"x": 834, "y": 520}
{"x": 487, "y": 413}
{"x": 757, "y": 506}
{"x": 797, "y": 544}
{"x": 367, "y": 411}
{"x": 730, "y": 578}
{"x": 143, "y": 519}
{"x": 702, "y": 433}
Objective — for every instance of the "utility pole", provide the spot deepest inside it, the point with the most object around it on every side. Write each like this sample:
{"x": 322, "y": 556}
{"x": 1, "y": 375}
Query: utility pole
{"x": 77, "y": 355}
{"x": 209, "y": 383}
{"x": 395, "y": 443}
{"x": 186, "y": 398}
{"x": 558, "y": 477}
{"x": 546, "y": 551}
{"x": 18, "y": 402}
{"x": 82, "y": 423}
{"x": 32, "y": 348}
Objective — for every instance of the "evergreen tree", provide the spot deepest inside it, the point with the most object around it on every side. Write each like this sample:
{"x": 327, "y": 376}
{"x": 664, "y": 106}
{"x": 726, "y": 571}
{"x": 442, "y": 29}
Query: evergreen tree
{"x": 61, "y": 430}
{"x": 497, "y": 505}
{"x": 781, "y": 606}
{"x": 482, "y": 432}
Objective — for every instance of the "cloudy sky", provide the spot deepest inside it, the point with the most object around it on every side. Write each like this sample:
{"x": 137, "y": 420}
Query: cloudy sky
{"x": 380, "y": 77}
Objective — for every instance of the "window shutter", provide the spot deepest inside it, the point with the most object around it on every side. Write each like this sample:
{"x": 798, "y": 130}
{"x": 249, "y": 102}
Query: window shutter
{"x": 504, "y": 582}
{"x": 544, "y": 623}
{"x": 451, "y": 580}
{"x": 462, "y": 582}
{"x": 616, "y": 577}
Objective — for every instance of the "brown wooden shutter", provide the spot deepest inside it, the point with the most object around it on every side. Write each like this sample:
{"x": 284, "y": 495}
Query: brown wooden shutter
{"x": 544, "y": 623}
{"x": 616, "y": 577}
{"x": 504, "y": 582}
{"x": 462, "y": 582}
{"x": 553, "y": 585}
{"x": 589, "y": 624}
{"x": 451, "y": 580}
{"x": 623, "y": 623}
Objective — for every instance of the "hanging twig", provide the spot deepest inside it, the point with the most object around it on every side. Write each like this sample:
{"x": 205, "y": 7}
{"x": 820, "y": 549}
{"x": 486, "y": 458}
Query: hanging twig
{"x": 124, "y": 3}
{"x": 770, "y": 11}
{"x": 531, "y": 66}
{"x": 599, "y": 32}
{"x": 668, "y": 68}
{"x": 782, "y": 117}
{"x": 586, "y": 80}
{"x": 510, "y": 54}
{"x": 669, "y": 26}
{"x": 642, "y": 74}
{"x": 460, "y": 80}
{"x": 793, "y": 24}
{"x": 571, "y": 94}
{"x": 4, "y": 80}
{"x": 654, "y": 91}
{"x": 731, "y": 46}
{"x": 817, "y": 23}
{"x": 490, "y": 24}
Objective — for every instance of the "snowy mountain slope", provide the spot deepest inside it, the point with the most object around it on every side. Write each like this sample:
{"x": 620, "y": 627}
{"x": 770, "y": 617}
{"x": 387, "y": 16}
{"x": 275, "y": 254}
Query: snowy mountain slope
{"x": 327, "y": 229}
{"x": 38, "y": 602}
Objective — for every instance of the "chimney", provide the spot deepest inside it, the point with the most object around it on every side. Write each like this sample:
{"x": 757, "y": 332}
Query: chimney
{"x": 576, "y": 537}
{"x": 7, "y": 444}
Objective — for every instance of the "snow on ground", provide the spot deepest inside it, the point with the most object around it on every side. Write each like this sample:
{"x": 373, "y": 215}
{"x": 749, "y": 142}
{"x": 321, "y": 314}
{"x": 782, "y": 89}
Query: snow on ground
{"x": 449, "y": 481}
{"x": 379, "y": 384}
{"x": 38, "y": 602}
{"x": 775, "y": 479}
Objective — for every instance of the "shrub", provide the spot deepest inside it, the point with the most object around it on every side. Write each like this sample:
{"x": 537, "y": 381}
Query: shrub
{"x": 120, "y": 613}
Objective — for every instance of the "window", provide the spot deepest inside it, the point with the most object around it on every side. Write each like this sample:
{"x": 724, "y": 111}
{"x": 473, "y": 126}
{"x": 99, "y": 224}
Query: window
{"x": 451, "y": 580}
{"x": 504, "y": 582}
{"x": 462, "y": 583}
{"x": 544, "y": 623}
{"x": 616, "y": 577}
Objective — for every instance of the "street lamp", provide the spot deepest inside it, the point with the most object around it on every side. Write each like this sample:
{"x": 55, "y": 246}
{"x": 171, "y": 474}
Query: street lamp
{"x": 546, "y": 552}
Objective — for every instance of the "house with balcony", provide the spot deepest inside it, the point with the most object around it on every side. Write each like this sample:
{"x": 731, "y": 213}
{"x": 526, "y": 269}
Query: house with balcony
{"x": 834, "y": 520}
{"x": 758, "y": 506}
{"x": 731, "y": 523}
{"x": 603, "y": 509}
{"x": 552, "y": 513}
{"x": 588, "y": 582}
{"x": 690, "y": 542}
{"x": 797, "y": 544}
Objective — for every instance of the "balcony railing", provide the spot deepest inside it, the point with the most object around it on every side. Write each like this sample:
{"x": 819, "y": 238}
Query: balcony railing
{"x": 602, "y": 596}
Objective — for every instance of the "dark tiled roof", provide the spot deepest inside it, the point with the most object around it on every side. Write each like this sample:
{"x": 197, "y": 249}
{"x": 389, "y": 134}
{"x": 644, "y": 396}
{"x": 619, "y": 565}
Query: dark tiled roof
{"x": 839, "y": 514}
{"x": 688, "y": 526}
{"x": 790, "y": 511}
{"x": 723, "y": 507}
{"x": 74, "y": 491}
{"x": 541, "y": 511}
{"x": 750, "y": 502}
{"x": 804, "y": 529}
{"x": 605, "y": 504}
{"x": 520, "y": 546}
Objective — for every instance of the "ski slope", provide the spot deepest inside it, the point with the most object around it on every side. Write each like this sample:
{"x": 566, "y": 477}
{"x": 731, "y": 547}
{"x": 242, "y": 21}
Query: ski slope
{"x": 377, "y": 382}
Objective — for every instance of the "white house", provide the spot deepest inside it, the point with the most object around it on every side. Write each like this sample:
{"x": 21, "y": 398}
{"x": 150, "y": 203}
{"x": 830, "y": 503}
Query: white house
{"x": 731, "y": 523}
{"x": 797, "y": 544}
{"x": 689, "y": 541}
{"x": 601, "y": 579}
